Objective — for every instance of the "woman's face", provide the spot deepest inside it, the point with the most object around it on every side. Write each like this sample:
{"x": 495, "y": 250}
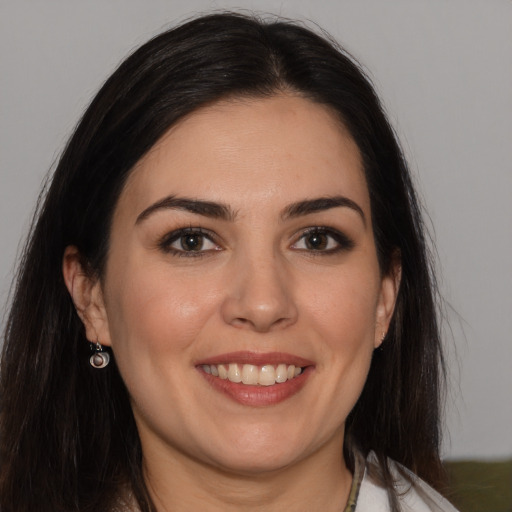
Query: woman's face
{"x": 242, "y": 245}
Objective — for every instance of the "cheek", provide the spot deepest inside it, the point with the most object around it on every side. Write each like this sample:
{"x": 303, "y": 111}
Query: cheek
{"x": 343, "y": 313}
{"x": 344, "y": 307}
{"x": 156, "y": 312}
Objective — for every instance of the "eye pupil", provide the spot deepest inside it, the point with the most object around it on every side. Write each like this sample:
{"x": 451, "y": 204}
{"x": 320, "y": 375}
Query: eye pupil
{"x": 316, "y": 241}
{"x": 192, "y": 242}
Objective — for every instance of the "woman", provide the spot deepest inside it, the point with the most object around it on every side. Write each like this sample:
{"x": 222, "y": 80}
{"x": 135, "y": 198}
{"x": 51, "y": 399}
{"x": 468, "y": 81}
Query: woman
{"x": 226, "y": 301}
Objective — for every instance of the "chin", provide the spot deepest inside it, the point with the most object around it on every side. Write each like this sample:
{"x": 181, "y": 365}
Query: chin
{"x": 259, "y": 453}
{"x": 253, "y": 465}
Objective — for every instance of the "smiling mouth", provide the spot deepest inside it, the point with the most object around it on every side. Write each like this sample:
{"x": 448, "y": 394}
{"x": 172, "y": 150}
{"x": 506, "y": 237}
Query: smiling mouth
{"x": 252, "y": 375}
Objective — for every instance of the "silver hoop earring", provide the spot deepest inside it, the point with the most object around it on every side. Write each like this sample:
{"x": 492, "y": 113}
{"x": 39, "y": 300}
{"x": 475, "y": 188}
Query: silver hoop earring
{"x": 100, "y": 358}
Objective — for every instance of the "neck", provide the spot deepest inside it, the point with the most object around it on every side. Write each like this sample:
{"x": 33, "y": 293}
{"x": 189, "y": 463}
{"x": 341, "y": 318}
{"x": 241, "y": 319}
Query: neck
{"x": 318, "y": 482}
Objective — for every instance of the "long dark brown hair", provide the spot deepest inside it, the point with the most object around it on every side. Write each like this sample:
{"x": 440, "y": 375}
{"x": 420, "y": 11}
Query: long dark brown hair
{"x": 68, "y": 440}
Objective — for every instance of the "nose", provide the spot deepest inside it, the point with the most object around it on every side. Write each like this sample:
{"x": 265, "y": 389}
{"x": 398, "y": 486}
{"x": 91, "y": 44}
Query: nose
{"x": 260, "y": 295}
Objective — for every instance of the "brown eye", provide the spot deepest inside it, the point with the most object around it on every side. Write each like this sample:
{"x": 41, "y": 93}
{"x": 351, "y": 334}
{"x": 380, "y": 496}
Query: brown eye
{"x": 323, "y": 240}
{"x": 316, "y": 241}
{"x": 188, "y": 242}
{"x": 191, "y": 242}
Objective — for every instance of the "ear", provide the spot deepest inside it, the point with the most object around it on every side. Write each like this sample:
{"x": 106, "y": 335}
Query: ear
{"x": 390, "y": 285}
{"x": 87, "y": 295}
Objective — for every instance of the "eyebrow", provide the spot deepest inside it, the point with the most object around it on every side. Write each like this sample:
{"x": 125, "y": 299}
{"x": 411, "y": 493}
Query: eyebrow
{"x": 221, "y": 211}
{"x": 309, "y": 206}
{"x": 197, "y": 206}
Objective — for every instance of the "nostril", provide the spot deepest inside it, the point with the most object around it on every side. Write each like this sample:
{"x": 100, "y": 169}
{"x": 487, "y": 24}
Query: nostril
{"x": 239, "y": 322}
{"x": 261, "y": 326}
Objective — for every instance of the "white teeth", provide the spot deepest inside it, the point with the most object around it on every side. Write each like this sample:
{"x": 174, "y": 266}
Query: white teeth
{"x": 234, "y": 374}
{"x": 250, "y": 374}
{"x": 266, "y": 375}
{"x": 281, "y": 373}
{"x": 223, "y": 372}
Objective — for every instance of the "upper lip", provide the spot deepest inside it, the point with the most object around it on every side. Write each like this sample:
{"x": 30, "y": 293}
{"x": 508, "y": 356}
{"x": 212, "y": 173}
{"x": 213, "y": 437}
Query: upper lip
{"x": 256, "y": 359}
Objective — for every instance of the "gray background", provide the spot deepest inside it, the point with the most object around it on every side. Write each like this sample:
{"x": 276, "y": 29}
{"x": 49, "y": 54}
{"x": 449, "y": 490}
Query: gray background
{"x": 444, "y": 71}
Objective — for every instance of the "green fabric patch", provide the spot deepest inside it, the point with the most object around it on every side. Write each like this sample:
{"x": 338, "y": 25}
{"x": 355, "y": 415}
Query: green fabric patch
{"x": 481, "y": 486}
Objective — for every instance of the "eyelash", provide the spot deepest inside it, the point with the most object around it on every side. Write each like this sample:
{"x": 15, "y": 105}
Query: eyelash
{"x": 166, "y": 242}
{"x": 343, "y": 243}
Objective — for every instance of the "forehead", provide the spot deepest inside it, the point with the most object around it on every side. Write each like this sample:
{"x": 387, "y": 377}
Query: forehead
{"x": 251, "y": 151}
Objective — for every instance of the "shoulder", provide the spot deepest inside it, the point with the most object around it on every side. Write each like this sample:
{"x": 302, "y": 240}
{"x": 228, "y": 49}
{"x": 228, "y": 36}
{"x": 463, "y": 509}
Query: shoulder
{"x": 414, "y": 495}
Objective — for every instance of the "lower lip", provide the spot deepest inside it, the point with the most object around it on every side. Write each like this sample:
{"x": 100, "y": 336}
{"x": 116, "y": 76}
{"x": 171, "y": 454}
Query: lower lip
{"x": 259, "y": 396}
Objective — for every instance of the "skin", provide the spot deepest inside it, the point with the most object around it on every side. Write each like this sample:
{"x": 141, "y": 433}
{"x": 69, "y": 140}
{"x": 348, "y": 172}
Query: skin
{"x": 256, "y": 285}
